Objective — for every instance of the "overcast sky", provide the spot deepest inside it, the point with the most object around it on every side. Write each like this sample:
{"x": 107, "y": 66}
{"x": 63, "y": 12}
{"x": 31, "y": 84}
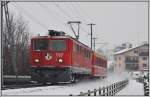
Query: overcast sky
{"x": 116, "y": 22}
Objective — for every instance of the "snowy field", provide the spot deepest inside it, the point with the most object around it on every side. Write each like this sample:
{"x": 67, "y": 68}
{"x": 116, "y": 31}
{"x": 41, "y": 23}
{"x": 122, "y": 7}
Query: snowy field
{"x": 75, "y": 89}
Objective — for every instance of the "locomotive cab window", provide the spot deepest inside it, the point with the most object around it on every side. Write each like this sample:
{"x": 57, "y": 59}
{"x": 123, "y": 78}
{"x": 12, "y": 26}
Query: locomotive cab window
{"x": 40, "y": 44}
{"x": 58, "y": 45}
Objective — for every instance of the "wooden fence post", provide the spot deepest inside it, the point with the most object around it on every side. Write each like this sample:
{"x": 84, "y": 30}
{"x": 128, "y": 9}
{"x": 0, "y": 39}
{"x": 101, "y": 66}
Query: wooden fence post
{"x": 103, "y": 91}
{"x": 99, "y": 91}
{"x": 146, "y": 89}
{"x": 70, "y": 95}
{"x": 107, "y": 92}
{"x": 81, "y": 94}
{"x": 94, "y": 92}
{"x": 120, "y": 85}
{"x": 115, "y": 88}
{"x": 112, "y": 89}
{"x": 89, "y": 93}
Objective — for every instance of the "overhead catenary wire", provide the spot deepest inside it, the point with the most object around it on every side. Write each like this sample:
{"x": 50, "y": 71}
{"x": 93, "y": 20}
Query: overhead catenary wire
{"x": 79, "y": 15}
{"x": 49, "y": 11}
{"x": 63, "y": 11}
{"x": 66, "y": 14}
{"x": 73, "y": 11}
{"x": 76, "y": 7}
{"x": 84, "y": 12}
{"x": 70, "y": 10}
{"x": 78, "y": 12}
{"x": 57, "y": 18}
{"x": 19, "y": 8}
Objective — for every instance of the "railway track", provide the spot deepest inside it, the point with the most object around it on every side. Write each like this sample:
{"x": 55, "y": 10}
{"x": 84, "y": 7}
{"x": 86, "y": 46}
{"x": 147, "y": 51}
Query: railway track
{"x": 31, "y": 84}
{"x": 28, "y": 85}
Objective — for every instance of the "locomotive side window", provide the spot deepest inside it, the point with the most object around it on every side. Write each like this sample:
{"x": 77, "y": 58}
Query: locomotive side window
{"x": 40, "y": 44}
{"x": 57, "y": 45}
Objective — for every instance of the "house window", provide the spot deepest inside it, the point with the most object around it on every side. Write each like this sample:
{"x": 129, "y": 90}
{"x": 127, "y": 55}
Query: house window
{"x": 119, "y": 65}
{"x": 131, "y": 58}
{"x": 135, "y": 51}
{"x": 119, "y": 58}
{"x": 144, "y": 65}
{"x": 135, "y": 65}
{"x": 144, "y": 58}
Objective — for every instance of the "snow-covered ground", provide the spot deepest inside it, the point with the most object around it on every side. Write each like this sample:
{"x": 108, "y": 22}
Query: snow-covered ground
{"x": 133, "y": 88}
{"x": 66, "y": 89}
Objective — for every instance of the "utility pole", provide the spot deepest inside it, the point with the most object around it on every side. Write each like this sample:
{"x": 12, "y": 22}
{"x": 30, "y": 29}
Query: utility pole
{"x": 94, "y": 42}
{"x": 75, "y": 22}
{"x": 3, "y": 6}
{"x": 91, "y": 24}
{"x": 2, "y": 55}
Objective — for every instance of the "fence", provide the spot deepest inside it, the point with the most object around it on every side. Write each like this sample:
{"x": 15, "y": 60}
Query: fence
{"x": 145, "y": 83}
{"x": 106, "y": 91}
{"x": 146, "y": 89}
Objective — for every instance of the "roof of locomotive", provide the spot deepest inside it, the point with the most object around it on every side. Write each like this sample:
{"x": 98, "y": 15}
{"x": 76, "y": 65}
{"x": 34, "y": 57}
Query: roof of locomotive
{"x": 60, "y": 37}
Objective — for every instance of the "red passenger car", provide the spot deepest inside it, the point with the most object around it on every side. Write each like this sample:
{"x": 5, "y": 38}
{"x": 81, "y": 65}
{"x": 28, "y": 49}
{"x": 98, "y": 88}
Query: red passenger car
{"x": 59, "y": 58}
{"x": 99, "y": 67}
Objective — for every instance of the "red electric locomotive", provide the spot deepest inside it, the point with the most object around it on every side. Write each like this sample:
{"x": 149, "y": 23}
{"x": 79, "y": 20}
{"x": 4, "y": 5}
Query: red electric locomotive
{"x": 59, "y": 58}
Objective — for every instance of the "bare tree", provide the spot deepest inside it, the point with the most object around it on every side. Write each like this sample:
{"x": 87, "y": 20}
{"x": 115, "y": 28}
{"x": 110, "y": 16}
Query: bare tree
{"x": 15, "y": 45}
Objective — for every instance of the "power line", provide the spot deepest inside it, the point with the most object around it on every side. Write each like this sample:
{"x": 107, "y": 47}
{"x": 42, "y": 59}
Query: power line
{"x": 49, "y": 12}
{"x": 83, "y": 11}
{"x": 66, "y": 14}
{"x": 80, "y": 16}
{"x": 63, "y": 11}
{"x": 29, "y": 15}
{"x": 71, "y": 10}
{"x": 79, "y": 12}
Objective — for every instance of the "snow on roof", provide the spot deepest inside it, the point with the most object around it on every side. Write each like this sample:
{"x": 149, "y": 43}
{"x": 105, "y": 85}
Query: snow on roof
{"x": 122, "y": 51}
{"x": 127, "y": 49}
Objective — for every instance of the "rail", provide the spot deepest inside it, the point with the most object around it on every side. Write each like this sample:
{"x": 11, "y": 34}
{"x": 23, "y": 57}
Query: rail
{"x": 107, "y": 90}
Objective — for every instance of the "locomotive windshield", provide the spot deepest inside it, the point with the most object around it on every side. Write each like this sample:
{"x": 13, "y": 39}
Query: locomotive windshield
{"x": 57, "y": 45}
{"x": 41, "y": 44}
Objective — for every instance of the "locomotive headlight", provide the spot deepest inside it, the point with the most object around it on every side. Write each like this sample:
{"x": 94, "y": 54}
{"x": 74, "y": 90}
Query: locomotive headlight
{"x": 60, "y": 60}
{"x": 36, "y": 60}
